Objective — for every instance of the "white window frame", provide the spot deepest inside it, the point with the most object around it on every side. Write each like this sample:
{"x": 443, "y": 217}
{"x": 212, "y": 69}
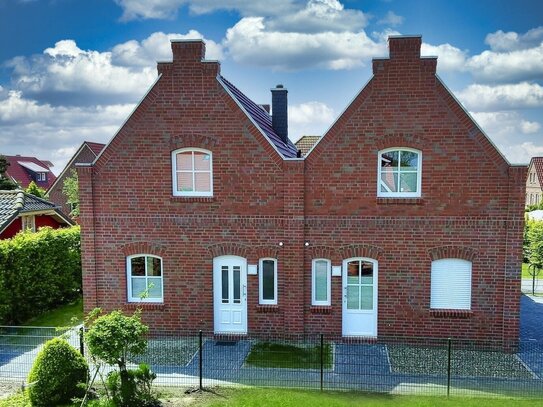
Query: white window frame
{"x": 261, "y": 300}
{"x": 328, "y": 281}
{"x": 28, "y": 222}
{"x": 416, "y": 194}
{"x": 129, "y": 278}
{"x": 448, "y": 286}
{"x": 175, "y": 171}
{"x": 40, "y": 176}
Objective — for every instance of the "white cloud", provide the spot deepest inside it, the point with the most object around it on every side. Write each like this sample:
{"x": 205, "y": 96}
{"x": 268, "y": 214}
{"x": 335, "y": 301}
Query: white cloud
{"x": 490, "y": 98}
{"x": 251, "y": 42}
{"x": 450, "y": 58}
{"x": 74, "y": 76}
{"x": 391, "y": 19}
{"x": 511, "y": 41}
{"x": 511, "y": 133}
{"x": 53, "y": 132}
{"x": 157, "y": 47}
{"x": 310, "y": 118}
{"x": 320, "y": 16}
{"x": 524, "y": 64}
{"x": 165, "y": 9}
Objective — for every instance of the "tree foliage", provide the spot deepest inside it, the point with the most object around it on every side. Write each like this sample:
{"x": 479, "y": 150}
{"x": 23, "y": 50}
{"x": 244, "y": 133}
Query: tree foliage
{"x": 35, "y": 190}
{"x": 38, "y": 272}
{"x": 535, "y": 239}
{"x": 6, "y": 184}
{"x": 71, "y": 190}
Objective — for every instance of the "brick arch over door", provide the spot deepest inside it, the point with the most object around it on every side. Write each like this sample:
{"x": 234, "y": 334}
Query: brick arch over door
{"x": 361, "y": 250}
{"x": 452, "y": 252}
{"x": 271, "y": 252}
{"x": 230, "y": 249}
{"x": 193, "y": 140}
{"x": 132, "y": 248}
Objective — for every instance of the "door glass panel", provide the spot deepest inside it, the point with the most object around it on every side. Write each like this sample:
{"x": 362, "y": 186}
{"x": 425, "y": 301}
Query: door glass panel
{"x": 224, "y": 278}
{"x": 321, "y": 281}
{"x": 353, "y": 298}
{"x": 367, "y": 273}
{"x": 366, "y": 302}
{"x": 353, "y": 272}
{"x": 268, "y": 280}
{"x": 237, "y": 285}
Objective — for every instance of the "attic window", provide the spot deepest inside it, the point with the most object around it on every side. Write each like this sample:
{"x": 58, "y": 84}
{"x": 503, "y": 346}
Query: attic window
{"x": 192, "y": 172}
{"x": 40, "y": 176}
{"x": 28, "y": 223}
{"x": 399, "y": 173}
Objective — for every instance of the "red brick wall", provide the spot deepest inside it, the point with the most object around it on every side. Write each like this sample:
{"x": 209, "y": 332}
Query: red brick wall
{"x": 55, "y": 194}
{"x": 470, "y": 205}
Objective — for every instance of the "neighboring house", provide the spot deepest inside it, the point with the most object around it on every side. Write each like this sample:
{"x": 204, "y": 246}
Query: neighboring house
{"x": 24, "y": 170}
{"x": 19, "y": 210}
{"x": 403, "y": 220}
{"x": 534, "y": 182}
{"x": 306, "y": 143}
{"x": 87, "y": 153}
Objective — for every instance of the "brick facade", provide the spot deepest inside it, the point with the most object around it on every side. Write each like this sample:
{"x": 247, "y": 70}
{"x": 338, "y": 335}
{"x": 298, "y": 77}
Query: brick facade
{"x": 471, "y": 205}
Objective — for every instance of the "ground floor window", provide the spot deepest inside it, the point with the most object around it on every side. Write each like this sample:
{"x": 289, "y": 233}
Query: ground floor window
{"x": 267, "y": 281}
{"x": 451, "y": 284}
{"x": 144, "y": 278}
{"x": 320, "y": 282}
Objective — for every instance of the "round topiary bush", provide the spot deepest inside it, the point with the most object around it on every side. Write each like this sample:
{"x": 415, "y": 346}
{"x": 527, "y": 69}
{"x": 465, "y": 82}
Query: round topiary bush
{"x": 56, "y": 373}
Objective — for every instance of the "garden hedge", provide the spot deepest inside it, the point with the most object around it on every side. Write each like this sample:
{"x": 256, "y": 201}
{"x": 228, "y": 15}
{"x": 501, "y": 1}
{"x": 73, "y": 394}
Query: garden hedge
{"x": 38, "y": 272}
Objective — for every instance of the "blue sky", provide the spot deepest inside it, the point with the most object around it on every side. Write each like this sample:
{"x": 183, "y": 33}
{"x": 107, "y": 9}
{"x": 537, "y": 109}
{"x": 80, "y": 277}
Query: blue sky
{"x": 73, "y": 70}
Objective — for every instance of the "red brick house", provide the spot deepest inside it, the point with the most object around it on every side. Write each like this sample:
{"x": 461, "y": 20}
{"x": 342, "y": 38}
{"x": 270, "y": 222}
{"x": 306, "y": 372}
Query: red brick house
{"x": 86, "y": 153}
{"x": 403, "y": 220}
{"x": 20, "y": 211}
{"x": 23, "y": 170}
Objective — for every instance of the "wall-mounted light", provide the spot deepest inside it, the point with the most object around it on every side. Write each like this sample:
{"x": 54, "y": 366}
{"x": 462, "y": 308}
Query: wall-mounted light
{"x": 306, "y": 244}
{"x": 280, "y": 244}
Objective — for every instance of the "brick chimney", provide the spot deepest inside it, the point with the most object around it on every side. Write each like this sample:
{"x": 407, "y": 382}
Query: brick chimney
{"x": 280, "y": 112}
{"x": 188, "y": 50}
{"x": 407, "y": 47}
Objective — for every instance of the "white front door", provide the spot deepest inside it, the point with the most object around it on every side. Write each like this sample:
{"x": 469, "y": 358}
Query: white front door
{"x": 359, "y": 297}
{"x": 230, "y": 294}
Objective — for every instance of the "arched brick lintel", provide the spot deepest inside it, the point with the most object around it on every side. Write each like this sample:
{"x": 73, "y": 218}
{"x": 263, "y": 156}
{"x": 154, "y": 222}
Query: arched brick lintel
{"x": 192, "y": 140}
{"x": 399, "y": 140}
{"x": 230, "y": 248}
{"x": 361, "y": 250}
{"x": 452, "y": 252}
{"x": 132, "y": 248}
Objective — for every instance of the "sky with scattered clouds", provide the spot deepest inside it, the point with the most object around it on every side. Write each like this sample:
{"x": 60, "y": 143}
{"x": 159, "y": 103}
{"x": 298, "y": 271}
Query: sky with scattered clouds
{"x": 72, "y": 71}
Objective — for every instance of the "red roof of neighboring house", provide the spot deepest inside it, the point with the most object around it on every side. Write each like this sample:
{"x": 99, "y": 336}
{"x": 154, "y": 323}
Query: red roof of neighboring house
{"x": 537, "y": 162}
{"x": 23, "y": 170}
{"x": 95, "y": 147}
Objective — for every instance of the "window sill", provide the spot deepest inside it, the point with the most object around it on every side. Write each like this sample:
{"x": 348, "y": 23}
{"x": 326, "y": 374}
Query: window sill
{"x": 451, "y": 313}
{"x": 267, "y": 309}
{"x": 152, "y": 306}
{"x": 399, "y": 201}
{"x": 320, "y": 309}
{"x": 175, "y": 198}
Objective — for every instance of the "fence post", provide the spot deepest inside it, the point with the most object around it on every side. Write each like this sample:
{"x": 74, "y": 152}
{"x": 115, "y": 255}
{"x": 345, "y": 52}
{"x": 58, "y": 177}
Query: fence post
{"x": 81, "y": 341}
{"x": 200, "y": 358}
{"x": 322, "y": 361}
{"x": 449, "y": 345}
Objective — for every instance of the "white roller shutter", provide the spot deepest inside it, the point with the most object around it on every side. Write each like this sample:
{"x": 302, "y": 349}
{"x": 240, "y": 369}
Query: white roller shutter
{"x": 451, "y": 284}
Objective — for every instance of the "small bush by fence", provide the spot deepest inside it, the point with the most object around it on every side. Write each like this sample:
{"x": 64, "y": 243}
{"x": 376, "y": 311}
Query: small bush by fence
{"x": 38, "y": 272}
{"x": 385, "y": 365}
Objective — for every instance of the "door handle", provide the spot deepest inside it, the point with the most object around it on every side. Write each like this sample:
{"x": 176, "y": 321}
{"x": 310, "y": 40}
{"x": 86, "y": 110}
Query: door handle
{"x": 244, "y": 291}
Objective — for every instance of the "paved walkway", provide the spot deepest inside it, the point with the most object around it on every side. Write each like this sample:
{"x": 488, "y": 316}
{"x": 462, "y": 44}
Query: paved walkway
{"x": 527, "y": 284}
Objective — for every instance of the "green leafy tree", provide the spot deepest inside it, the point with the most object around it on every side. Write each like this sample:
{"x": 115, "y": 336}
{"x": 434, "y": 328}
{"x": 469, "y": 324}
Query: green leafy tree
{"x": 5, "y": 183}
{"x": 35, "y": 190}
{"x": 535, "y": 237}
{"x": 71, "y": 190}
{"x": 112, "y": 338}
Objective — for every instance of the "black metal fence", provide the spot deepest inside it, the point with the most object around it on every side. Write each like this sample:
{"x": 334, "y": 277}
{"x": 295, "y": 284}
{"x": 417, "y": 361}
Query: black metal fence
{"x": 387, "y": 365}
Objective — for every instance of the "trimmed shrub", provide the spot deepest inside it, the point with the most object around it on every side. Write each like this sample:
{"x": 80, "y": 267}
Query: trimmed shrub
{"x": 38, "y": 272}
{"x": 56, "y": 374}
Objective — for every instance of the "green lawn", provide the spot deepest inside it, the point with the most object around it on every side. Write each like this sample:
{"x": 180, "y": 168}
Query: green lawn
{"x": 255, "y": 397}
{"x": 65, "y": 315}
{"x": 290, "y": 356}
